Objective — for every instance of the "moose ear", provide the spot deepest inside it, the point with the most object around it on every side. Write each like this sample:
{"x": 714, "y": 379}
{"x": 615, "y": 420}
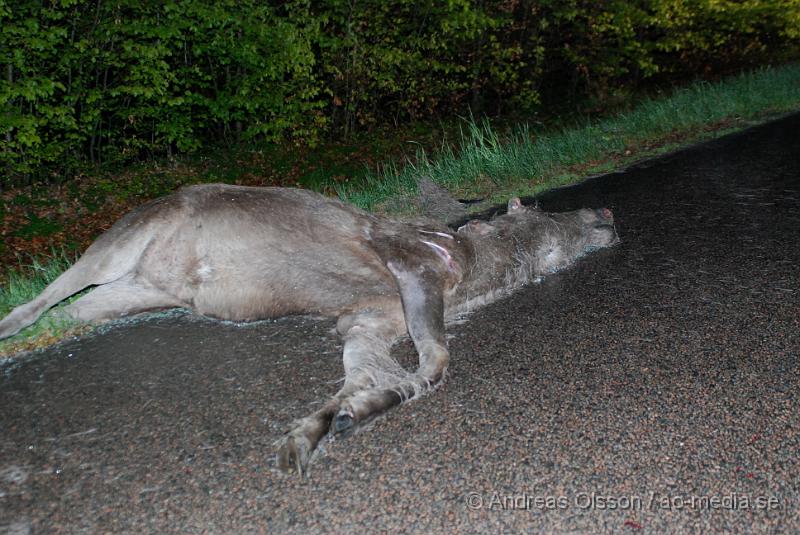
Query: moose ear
{"x": 477, "y": 226}
{"x": 515, "y": 205}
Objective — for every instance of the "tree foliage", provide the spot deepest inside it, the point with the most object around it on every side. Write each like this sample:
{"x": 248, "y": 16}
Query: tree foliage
{"x": 115, "y": 80}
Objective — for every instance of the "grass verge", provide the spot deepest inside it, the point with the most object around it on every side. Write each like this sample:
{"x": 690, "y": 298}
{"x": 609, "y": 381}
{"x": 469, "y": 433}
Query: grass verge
{"x": 528, "y": 161}
{"x": 23, "y": 285}
{"x": 525, "y": 161}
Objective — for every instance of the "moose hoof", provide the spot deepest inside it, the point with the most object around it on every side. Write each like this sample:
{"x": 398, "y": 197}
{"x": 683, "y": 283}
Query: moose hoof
{"x": 343, "y": 422}
{"x": 294, "y": 454}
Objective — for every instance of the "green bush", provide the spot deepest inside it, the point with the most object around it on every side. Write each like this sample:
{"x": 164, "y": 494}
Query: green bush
{"x": 101, "y": 81}
{"x": 405, "y": 59}
{"x": 113, "y": 81}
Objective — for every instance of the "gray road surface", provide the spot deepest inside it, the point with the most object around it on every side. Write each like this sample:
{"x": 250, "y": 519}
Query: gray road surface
{"x": 653, "y": 388}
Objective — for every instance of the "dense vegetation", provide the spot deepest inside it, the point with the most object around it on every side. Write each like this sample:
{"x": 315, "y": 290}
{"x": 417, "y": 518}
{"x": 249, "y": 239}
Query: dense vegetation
{"x": 111, "y": 81}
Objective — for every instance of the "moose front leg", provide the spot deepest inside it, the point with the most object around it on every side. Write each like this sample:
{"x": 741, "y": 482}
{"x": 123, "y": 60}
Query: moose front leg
{"x": 296, "y": 447}
{"x": 368, "y": 337}
{"x": 421, "y": 290}
{"x": 374, "y": 381}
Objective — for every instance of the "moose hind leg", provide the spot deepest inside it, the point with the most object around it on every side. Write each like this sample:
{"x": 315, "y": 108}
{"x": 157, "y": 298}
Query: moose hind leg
{"x": 119, "y": 298}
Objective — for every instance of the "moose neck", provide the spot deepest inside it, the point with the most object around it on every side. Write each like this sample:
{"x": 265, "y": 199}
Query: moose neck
{"x": 496, "y": 264}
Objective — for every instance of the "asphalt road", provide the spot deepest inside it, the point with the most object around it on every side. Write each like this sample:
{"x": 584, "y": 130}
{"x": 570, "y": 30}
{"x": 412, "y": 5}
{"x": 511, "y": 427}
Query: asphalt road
{"x": 652, "y": 388}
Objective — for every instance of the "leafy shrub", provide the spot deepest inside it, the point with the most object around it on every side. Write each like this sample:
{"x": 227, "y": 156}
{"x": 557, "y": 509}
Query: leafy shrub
{"x": 112, "y": 81}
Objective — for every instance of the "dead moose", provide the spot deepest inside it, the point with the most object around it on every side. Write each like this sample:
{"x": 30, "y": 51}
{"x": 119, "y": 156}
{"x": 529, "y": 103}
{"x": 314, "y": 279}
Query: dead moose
{"x": 242, "y": 253}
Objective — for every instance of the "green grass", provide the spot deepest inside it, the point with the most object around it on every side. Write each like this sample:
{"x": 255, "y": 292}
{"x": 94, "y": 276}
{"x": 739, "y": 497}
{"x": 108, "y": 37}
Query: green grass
{"x": 485, "y": 163}
{"x": 527, "y": 161}
{"x": 23, "y": 285}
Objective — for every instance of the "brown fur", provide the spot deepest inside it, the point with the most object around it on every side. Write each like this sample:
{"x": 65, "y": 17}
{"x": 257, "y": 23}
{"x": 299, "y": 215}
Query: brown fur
{"x": 242, "y": 253}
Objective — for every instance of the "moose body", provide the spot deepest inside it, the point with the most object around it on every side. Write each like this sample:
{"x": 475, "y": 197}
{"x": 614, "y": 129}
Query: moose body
{"x": 242, "y": 253}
